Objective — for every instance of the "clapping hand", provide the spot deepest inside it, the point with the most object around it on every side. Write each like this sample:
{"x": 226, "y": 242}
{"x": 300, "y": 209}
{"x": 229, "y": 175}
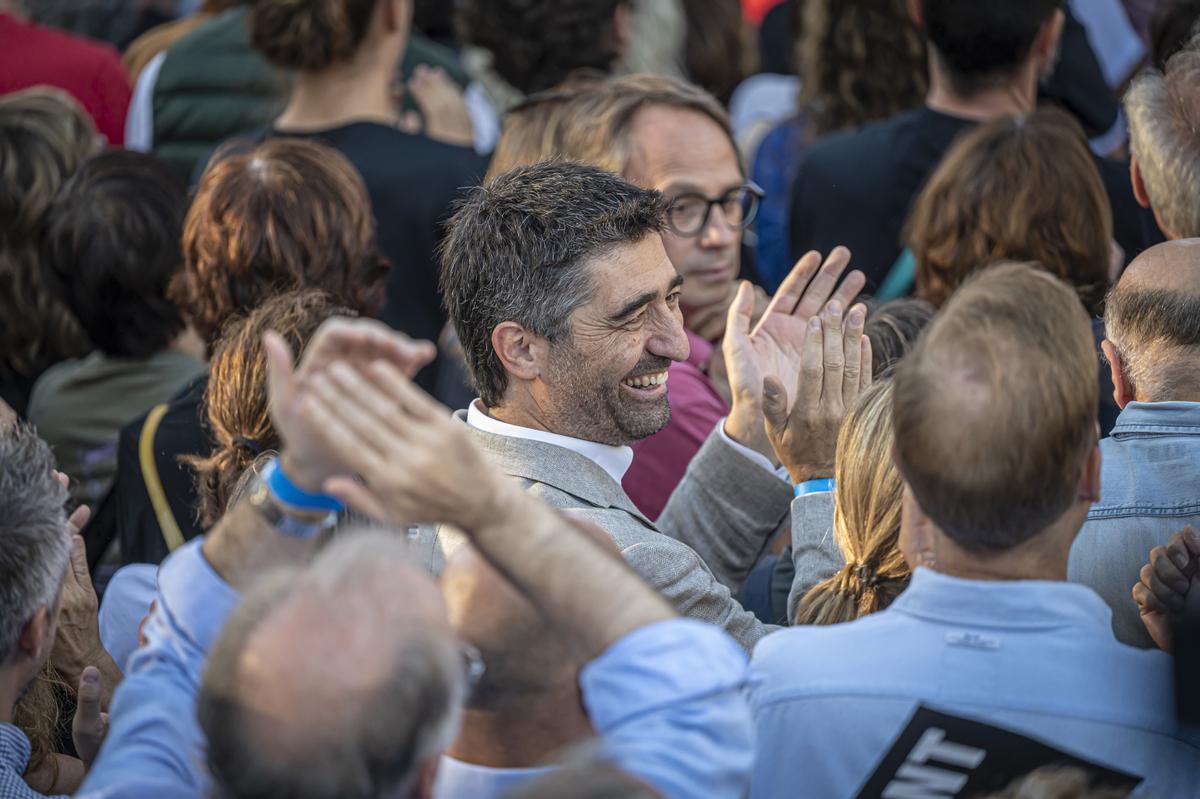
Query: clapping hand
{"x": 352, "y": 342}
{"x": 90, "y": 724}
{"x": 835, "y": 367}
{"x": 1169, "y": 585}
{"x": 415, "y": 462}
{"x": 775, "y": 347}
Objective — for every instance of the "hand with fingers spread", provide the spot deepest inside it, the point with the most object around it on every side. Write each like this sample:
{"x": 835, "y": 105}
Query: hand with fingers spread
{"x": 90, "y": 724}
{"x": 1169, "y": 585}
{"x": 353, "y": 342}
{"x": 77, "y": 638}
{"x": 835, "y": 367}
{"x": 775, "y": 346}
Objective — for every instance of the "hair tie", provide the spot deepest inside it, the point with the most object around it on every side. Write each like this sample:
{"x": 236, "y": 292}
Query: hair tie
{"x": 249, "y": 444}
{"x": 865, "y": 574}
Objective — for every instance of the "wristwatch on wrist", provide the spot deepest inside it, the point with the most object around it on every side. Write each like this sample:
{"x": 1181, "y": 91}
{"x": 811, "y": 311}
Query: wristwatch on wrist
{"x": 292, "y": 522}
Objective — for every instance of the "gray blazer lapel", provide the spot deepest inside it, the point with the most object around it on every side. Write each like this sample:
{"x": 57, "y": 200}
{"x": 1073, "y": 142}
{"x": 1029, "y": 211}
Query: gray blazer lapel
{"x": 557, "y": 467}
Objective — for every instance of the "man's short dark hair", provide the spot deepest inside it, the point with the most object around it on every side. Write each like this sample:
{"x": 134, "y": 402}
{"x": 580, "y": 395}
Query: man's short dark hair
{"x": 536, "y": 44}
{"x": 518, "y": 250}
{"x": 111, "y": 245}
{"x": 982, "y": 42}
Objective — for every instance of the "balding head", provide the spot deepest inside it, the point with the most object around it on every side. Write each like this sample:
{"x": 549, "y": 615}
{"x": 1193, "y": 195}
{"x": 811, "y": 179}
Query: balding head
{"x": 339, "y": 680}
{"x": 995, "y": 409}
{"x": 1152, "y": 321}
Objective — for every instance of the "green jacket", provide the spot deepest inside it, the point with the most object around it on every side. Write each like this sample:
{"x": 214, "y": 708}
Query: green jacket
{"x": 213, "y": 85}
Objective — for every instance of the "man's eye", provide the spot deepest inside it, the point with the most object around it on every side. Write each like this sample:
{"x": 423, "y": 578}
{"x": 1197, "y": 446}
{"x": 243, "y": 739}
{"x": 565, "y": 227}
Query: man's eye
{"x": 673, "y": 297}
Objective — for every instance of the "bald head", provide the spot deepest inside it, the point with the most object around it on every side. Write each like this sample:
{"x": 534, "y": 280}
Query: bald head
{"x": 1152, "y": 322}
{"x": 342, "y": 679}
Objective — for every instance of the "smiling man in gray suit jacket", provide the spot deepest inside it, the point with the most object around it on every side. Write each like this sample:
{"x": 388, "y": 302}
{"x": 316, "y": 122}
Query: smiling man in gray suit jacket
{"x": 567, "y": 307}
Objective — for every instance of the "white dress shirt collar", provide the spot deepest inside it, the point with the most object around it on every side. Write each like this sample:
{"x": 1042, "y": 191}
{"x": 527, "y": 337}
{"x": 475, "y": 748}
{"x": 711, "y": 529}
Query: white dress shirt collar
{"x": 613, "y": 460}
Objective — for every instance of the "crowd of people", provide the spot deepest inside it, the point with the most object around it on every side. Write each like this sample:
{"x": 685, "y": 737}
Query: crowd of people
{"x": 599, "y": 398}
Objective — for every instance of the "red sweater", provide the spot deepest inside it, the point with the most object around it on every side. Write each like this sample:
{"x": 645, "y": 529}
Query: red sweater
{"x": 32, "y": 55}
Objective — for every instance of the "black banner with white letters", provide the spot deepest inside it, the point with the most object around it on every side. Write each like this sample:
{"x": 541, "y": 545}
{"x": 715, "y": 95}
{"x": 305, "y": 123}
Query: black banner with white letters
{"x": 938, "y": 756}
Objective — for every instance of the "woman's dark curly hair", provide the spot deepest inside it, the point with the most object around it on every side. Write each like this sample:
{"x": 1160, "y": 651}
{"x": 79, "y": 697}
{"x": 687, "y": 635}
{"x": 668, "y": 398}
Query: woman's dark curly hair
{"x": 44, "y": 137}
{"x": 859, "y": 61}
{"x": 537, "y": 44}
{"x": 288, "y": 214}
{"x": 235, "y": 402}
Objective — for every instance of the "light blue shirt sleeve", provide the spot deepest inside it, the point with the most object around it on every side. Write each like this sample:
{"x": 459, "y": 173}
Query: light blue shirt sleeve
{"x": 155, "y": 747}
{"x": 668, "y": 701}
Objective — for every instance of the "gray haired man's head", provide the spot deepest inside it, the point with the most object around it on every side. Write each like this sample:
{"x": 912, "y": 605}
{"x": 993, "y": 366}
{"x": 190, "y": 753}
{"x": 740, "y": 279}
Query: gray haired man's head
{"x": 342, "y": 679}
{"x": 1152, "y": 323}
{"x": 1164, "y": 134}
{"x": 35, "y": 543}
{"x": 519, "y": 250}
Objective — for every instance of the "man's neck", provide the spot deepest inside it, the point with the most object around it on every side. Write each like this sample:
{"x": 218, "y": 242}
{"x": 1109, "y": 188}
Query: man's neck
{"x": 354, "y": 92}
{"x": 524, "y": 738}
{"x": 1018, "y": 96}
{"x": 1043, "y": 557}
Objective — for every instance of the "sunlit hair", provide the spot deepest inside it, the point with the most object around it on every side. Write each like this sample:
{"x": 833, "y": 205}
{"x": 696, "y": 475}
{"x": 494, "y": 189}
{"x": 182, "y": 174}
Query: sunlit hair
{"x": 286, "y": 214}
{"x": 866, "y": 519}
{"x": 235, "y": 402}
{"x": 1019, "y": 189}
{"x": 45, "y": 136}
{"x": 859, "y": 61}
{"x": 533, "y": 129}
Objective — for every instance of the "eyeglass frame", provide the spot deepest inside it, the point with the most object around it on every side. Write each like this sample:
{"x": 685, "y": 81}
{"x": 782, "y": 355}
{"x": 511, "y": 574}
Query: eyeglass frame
{"x": 751, "y": 188}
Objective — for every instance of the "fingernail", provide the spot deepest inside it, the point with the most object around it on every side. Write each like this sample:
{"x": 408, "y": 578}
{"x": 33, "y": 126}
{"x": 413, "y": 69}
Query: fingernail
{"x": 91, "y": 677}
{"x": 1180, "y": 560}
{"x": 814, "y": 324}
{"x": 856, "y": 316}
{"x": 834, "y": 308}
{"x": 1193, "y": 536}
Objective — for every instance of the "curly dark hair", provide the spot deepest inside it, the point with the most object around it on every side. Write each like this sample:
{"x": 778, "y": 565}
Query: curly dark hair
{"x": 286, "y": 214}
{"x": 859, "y": 61}
{"x": 44, "y": 137}
{"x": 536, "y": 44}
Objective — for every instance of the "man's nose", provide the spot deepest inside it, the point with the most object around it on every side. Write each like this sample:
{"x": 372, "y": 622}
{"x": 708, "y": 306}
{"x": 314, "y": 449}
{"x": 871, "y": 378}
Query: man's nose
{"x": 718, "y": 233}
{"x": 669, "y": 339}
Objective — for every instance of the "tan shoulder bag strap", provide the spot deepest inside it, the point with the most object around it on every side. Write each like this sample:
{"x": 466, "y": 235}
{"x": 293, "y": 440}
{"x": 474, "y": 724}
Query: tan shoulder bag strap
{"x": 158, "y": 499}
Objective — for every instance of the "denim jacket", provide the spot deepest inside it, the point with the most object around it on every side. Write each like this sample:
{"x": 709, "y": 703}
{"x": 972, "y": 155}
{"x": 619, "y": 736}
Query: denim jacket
{"x": 1149, "y": 489}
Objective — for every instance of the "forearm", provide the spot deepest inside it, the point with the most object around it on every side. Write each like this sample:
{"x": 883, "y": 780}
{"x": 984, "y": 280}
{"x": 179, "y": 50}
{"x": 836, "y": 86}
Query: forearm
{"x": 574, "y": 581}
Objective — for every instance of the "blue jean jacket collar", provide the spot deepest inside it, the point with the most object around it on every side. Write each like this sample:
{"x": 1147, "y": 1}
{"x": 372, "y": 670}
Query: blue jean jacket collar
{"x": 1158, "y": 418}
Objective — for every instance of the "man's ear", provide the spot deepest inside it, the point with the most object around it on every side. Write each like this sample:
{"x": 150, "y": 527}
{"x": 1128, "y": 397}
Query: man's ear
{"x": 916, "y": 10}
{"x": 1046, "y": 44}
{"x": 1089, "y": 480}
{"x": 37, "y": 636}
{"x": 1139, "y": 185}
{"x": 1123, "y": 392}
{"x": 521, "y": 352}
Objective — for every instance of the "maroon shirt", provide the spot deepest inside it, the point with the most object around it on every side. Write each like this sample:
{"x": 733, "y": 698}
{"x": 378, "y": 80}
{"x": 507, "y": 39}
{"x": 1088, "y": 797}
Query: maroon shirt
{"x": 32, "y": 55}
{"x": 660, "y": 460}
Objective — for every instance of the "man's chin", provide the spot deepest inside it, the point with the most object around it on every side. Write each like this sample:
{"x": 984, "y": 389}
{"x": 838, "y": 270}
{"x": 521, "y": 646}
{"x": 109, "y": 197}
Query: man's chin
{"x": 646, "y": 423}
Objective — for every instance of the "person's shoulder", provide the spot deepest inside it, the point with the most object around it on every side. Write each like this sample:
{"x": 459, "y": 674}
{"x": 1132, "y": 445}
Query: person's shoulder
{"x": 853, "y": 149}
{"x": 812, "y": 649}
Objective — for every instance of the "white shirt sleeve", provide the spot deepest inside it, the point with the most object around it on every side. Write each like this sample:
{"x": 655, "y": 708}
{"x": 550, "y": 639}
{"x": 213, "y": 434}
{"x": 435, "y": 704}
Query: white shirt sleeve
{"x": 139, "y": 124}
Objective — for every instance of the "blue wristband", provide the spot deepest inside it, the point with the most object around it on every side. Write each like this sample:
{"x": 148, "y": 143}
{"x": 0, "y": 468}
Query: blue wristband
{"x": 287, "y": 492}
{"x": 824, "y": 486}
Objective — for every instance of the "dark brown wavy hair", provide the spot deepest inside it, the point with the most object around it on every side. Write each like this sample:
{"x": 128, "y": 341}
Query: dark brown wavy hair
{"x": 859, "y": 61}
{"x": 45, "y": 136}
{"x": 309, "y": 35}
{"x": 287, "y": 214}
{"x": 1017, "y": 189}
{"x": 235, "y": 402}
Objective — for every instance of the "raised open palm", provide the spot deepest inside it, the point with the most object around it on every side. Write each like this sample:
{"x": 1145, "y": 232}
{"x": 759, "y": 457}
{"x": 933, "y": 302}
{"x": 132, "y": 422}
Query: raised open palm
{"x": 774, "y": 347}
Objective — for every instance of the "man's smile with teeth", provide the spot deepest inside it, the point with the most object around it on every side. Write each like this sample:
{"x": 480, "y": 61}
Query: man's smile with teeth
{"x": 646, "y": 381}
